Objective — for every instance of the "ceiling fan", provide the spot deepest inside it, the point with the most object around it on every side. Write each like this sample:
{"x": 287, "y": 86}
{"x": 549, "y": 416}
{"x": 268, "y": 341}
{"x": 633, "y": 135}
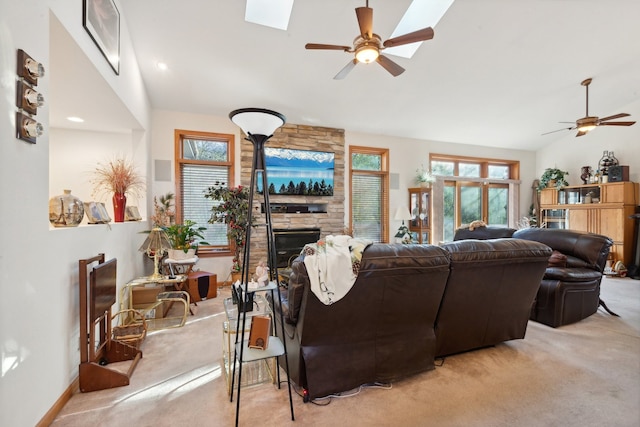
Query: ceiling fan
{"x": 588, "y": 123}
{"x": 368, "y": 45}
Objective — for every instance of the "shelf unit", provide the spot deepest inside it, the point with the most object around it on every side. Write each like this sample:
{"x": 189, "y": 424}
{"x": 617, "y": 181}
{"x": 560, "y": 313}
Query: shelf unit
{"x": 420, "y": 208}
{"x": 257, "y": 372}
{"x": 604, "y": 209}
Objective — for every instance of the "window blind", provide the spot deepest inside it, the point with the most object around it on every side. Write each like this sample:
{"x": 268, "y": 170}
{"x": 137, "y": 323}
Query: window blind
{"x": 366, "y": 206}
{"x": 196, "y": 179}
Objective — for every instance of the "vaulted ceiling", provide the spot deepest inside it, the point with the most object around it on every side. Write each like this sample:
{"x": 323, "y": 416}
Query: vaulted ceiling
{"x": 497, "y": 73}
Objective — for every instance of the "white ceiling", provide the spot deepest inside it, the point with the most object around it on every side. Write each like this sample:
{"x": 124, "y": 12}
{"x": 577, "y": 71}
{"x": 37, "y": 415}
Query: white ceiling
{"x": 497, "y": 73}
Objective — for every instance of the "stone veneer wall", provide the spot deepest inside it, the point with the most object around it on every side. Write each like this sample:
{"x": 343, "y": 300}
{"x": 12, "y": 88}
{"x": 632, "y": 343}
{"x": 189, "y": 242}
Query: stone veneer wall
{"x": 298, "y": 137}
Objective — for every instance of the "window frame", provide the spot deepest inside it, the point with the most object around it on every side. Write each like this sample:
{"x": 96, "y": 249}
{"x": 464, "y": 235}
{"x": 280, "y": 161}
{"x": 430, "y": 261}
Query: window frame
{"x": 383, "y": 173}
{"x": 179, "y": 136}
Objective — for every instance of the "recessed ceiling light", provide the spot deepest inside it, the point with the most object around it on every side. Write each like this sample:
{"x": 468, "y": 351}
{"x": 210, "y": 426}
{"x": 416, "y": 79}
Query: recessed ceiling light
{"x": 420, "y": 14}
{"x": 75, "y": 119}
{"x": 162, "y": 66}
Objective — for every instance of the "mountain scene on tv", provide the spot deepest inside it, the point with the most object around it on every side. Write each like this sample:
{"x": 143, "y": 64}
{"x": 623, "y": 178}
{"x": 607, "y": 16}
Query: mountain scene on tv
{"x": 298, "y": 172}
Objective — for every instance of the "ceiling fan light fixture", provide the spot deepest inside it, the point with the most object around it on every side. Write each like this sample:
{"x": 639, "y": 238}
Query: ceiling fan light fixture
{"x": 586, "y": 128}
{"x": 586, "y": 124}
{"x": 367, "y": 53}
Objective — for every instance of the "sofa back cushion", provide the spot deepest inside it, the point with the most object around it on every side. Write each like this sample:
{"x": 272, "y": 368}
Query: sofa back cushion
{"x": 483, "y": 233}
{"x": 583, "y": 250}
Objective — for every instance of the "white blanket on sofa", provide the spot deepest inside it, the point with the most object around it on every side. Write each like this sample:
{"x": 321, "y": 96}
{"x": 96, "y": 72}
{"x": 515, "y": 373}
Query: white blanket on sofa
{"x": 332, "y": 265}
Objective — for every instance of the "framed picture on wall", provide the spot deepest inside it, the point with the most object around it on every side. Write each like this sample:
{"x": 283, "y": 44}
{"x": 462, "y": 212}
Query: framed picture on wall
{"x": 101, "y": 19}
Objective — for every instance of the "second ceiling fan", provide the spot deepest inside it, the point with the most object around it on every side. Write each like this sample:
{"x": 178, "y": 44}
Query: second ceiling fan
{"x": 588, "y": 123}
{"x": 368, "y": 45}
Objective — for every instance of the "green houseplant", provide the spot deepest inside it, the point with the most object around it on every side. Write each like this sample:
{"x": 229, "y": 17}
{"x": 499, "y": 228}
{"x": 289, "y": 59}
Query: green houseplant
{"x": 184, "y": 237}
{"x": 232, "y": 209}
{"x": 553, "y": 177}
{"x": 424, "y": 177}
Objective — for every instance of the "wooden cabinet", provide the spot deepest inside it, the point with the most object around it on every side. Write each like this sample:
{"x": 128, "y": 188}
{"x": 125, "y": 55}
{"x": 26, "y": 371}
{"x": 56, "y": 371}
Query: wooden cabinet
{"x": 596, "y": 208}
{"x": 420, "y": 208}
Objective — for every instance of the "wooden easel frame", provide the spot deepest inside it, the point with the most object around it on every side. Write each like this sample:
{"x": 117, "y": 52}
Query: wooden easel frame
{"x": 98, "y": 349}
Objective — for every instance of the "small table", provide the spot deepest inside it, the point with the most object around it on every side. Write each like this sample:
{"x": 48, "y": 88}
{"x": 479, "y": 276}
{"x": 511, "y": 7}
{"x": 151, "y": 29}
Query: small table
{"x": 178, "y": 266}
{"x": 149, "y": 296}
{"x": 256, "y": 372}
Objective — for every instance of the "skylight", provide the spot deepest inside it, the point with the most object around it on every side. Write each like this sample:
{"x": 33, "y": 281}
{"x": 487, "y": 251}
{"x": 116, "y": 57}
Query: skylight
{"x": 420, "y": 14}
{"x": 270, "y": 13}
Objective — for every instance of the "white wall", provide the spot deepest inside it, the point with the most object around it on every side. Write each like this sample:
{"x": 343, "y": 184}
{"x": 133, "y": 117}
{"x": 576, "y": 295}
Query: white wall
{"x": 39, "y": 320}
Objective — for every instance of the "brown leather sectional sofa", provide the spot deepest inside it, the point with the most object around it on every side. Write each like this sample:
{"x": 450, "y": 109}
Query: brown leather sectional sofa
{"x": 409, "y": 304}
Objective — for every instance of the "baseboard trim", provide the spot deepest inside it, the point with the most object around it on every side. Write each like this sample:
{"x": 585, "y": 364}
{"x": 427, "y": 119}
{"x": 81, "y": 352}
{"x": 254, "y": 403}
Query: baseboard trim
{"x": 52, "y": 413}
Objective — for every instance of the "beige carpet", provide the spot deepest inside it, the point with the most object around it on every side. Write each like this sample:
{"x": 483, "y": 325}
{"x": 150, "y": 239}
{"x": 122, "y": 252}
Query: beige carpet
{"x": 585, "y": 374}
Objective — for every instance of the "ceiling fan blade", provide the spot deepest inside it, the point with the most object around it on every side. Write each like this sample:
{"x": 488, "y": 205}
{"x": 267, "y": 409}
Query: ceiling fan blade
{"x": 580, "y": 133}
{"x": 390, "y": 66}
{"x": 416, "y": 36}
{"x": 326, "y": 46}
{"x": 347, "y": 68}
{"x": 616, "y": 124}
{"x": 365, "y": 21}
{"x": 615, "y": 116}
{"x": 558, "y": 130}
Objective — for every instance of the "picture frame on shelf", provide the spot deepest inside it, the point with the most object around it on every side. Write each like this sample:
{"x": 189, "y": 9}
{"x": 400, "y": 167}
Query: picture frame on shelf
{"x": 101, "y": 19}
{"x": 131, "y": 213}
{"x": 96, "y": 213}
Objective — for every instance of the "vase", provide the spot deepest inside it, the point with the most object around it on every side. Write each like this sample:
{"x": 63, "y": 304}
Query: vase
{"x": 236, "y": 276}
{"x": 119, "y": 203}
{"x": 551, "y": 183}
{"x": 65, "y": 210}
{"x": 180, "y": 254}
{"x": 586, "y": 174}
{"x": 604, "y": 164}
{"x": 613, "y": 159}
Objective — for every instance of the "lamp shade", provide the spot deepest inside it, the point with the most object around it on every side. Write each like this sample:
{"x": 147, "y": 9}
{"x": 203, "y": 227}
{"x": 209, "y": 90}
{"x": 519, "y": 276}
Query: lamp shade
{"x": 402, "y": 213}
{"x": 257, "y": 121}
{"x": 156, "y": 241}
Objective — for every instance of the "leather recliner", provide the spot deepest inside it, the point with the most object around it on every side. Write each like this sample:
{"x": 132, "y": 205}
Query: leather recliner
{"x": 570, "y": 289}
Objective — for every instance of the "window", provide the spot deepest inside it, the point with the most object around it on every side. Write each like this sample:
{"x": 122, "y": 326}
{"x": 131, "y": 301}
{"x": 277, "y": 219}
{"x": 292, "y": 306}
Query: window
{"x": 202, "y": 159}
{"x": 369, "y": 176}
{"x": 478, "y": 189}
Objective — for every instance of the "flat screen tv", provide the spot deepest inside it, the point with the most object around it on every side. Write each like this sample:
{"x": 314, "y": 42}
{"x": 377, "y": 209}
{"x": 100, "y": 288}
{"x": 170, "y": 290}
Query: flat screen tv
{"x": 298, "y": 172}
{"x": 103, "y": 288}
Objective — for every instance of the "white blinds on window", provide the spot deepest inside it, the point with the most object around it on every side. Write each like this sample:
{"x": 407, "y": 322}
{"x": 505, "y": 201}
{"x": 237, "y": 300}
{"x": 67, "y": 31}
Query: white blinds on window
{"x": 196, "y": 179}
{"x": 366, "y": 206}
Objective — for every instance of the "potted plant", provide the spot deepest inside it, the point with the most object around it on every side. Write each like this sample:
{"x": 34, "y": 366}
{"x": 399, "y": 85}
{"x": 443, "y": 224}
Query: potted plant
{"x": 424, "y": 177}
{"x": 232, "y": 210}
{"x": 553, "y": 177}
{"x": 183, "y": 239}
{"x": 118, "y": 177}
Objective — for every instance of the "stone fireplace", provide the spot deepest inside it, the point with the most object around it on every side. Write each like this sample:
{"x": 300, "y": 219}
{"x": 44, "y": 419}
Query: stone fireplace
{"x": 324, "y": 213}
